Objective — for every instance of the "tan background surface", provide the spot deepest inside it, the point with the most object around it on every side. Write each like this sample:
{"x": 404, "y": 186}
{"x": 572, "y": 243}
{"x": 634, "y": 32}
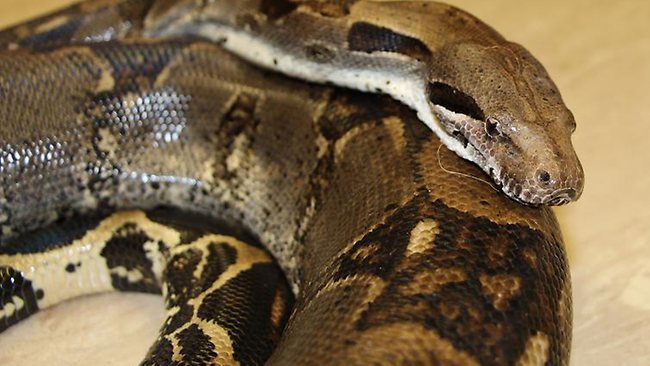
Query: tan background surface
{"x": 599, "y": 54}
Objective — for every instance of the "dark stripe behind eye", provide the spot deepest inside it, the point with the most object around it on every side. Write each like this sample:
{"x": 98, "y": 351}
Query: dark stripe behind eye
{"x": 366, "y": 37}
{"x": 454, "y": 100}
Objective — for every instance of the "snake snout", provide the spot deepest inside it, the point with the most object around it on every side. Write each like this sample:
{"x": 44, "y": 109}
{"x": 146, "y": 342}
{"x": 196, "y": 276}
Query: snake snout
{"x": 557, "y": 182}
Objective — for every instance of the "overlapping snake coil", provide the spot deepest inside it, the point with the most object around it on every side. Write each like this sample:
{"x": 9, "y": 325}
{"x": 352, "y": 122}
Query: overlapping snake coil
{"x": 172, "y": 166}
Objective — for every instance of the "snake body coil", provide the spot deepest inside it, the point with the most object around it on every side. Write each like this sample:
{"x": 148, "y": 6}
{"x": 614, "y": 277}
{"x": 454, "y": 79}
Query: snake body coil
{"x": 395, "y": 254}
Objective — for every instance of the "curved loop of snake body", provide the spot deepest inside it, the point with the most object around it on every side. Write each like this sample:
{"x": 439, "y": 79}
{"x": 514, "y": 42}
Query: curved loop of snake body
{"x": 393, "y": 260}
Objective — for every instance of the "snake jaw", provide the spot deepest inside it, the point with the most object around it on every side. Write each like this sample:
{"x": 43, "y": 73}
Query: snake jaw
{"x": 457, "y": 126}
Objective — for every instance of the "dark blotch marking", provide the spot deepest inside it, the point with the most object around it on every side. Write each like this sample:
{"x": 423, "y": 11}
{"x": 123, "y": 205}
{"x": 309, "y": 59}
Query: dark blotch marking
{"x": 454, "y": 100}
{"x": 70, "y": 268}
{"x": 243, "y": 307}
{"x": 347, "y": 110}
{"x": 461, "y": 312}
{"x": 126, "y": 249}
{"x": 55, "y": 36}
{"x": 179, "y": 272}
{"x": 240, "y": 115}
{"x": 275, "y": 9}
{"x": 193, "y": 226}
{"x": 180, "y": 318}
{"x": 220, "y": 257}
{"x": 366, "y": 37}
{"x": 160, "y": 353}
{"x": 196, "y": 347}
{"x": 134, "y": 72}
{"x": 239, "y": 119}
{"x": 344, "y": 112}
{"x": 14, "y": 284}
{"x": 57, "y": 235}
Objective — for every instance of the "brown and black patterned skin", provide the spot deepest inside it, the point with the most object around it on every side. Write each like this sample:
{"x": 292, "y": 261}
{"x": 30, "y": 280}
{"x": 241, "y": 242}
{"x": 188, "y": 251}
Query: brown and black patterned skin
{"x": 395, "y": 258}
{"x": 489, "y": 100}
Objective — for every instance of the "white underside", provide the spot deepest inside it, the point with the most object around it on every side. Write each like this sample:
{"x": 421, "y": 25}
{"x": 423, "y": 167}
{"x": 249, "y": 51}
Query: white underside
{"x": 406, "y": 88}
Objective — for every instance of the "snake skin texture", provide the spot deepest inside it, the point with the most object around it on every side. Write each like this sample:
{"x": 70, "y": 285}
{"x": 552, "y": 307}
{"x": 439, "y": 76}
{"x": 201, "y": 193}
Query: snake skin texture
{"x": 226, "y": 300}
{"x": 396, "y": 253}
{"x": 488, "y": 99}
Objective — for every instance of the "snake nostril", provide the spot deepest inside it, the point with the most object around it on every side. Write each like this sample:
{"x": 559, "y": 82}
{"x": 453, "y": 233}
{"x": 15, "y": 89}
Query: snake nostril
{"x": 571, "y": 193}
{"x": 543, "y": 176}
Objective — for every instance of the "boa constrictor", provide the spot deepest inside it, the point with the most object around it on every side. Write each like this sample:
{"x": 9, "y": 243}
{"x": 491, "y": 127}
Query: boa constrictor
{"x": 396, "y": 252}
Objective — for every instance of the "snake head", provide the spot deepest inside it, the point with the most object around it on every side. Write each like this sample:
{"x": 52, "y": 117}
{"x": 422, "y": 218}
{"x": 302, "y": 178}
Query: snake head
{"x": 501, "y": 104}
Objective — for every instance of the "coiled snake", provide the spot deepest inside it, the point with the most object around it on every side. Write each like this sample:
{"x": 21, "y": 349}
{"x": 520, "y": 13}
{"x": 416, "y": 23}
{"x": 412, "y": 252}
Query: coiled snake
{"x": 397, "y": 250}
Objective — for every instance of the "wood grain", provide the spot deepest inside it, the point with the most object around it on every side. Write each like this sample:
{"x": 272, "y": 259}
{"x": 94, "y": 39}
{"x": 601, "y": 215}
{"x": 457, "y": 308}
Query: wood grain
{"x": 599, "y": 54}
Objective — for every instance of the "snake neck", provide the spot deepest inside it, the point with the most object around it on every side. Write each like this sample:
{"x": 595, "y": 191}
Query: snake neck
{"x": 339, "y": 50}
{"x": 487, "y": 99}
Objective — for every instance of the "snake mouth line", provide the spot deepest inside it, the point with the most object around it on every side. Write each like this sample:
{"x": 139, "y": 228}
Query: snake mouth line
{"x": 456, "y": 126}
{"x": 467, "y": 130}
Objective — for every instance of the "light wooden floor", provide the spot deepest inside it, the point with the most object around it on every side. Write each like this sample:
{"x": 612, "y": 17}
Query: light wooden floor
{"x": 599, "y": 54}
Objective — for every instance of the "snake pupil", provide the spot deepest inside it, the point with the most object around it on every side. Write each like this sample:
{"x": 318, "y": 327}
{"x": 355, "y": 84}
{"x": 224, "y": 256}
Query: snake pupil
{"x": 543, "y": 176}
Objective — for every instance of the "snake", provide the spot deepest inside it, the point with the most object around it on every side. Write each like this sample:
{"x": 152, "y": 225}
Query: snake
{"x": 305, "y": 182}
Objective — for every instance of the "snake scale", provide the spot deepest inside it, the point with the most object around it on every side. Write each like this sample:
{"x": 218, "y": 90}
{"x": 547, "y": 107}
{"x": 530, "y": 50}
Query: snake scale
{"x": 142, "y": 148}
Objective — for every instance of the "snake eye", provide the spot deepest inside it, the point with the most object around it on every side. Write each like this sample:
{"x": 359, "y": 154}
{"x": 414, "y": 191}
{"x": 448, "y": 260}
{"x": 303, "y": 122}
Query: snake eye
{"x": 492, "y": 127}
{"x": 543, "y": 176}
